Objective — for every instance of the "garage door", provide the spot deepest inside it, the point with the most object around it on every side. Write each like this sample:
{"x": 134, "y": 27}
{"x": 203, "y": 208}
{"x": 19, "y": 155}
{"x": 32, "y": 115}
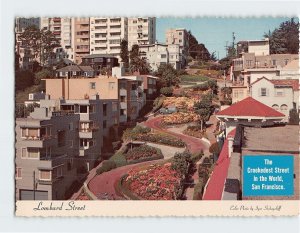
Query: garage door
{"x": 28, "y": 195}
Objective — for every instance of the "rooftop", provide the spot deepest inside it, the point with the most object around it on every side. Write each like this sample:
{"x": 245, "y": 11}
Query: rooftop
{"x": 100, "y": 55}
{"x": 262, "y": 139}
{"x": 75, "y": 68}
{"x": 250, "y": 107}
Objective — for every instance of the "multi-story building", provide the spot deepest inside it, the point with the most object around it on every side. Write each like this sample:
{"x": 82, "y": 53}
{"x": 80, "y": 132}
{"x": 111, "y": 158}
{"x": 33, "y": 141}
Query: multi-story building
{"x": 46, "y": 147}
{"x": 258, "y": 47}
{"x": 106, "y": 35}
{"x": 250, "y": 67}
{"x": 81, "y": 38}
{"x": 62, "y": 29}
{"x": 100, "y": 62}
{"x": 179, "y": 36}
{"x": 158, "y": 54}
{"x": 280, "y": 94}
{"x": 141, "y": 31}
{"x": 22, "y": 23}
{"x": 75, "y": 71}
{"x": 26, "y": 57}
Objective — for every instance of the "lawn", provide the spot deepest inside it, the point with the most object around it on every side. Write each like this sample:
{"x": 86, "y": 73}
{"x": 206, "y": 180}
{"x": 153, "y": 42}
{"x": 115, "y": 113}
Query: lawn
{"x": 193, "y": 78}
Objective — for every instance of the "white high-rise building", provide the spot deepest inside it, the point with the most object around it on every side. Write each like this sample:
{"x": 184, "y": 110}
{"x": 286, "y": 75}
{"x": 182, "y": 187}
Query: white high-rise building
{"x": 141, "y": 31}
{"x": 62, "y": 29}
{"x": 106, "y": 35}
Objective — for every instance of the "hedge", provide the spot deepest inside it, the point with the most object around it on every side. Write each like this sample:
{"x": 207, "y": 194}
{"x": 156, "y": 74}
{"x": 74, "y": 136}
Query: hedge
{"x": 144, "y": 151}
{"x": 162, "y": 139}
{"x": 106, "y": 166}
{"x": 198, "y": 190}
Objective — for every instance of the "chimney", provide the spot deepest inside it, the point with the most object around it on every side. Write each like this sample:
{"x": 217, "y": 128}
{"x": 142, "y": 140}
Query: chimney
{"x": 230, "y": 145}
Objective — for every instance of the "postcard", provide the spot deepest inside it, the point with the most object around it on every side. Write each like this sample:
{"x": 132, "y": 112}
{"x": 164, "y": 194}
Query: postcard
{"x": 156, "y": 116}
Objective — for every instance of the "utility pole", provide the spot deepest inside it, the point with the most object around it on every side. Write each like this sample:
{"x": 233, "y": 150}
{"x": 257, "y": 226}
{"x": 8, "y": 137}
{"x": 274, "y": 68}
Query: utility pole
{"x": 33, "y": 185}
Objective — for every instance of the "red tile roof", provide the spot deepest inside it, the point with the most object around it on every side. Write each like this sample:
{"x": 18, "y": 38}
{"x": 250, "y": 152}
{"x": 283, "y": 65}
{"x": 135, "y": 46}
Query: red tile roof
{"x": 215, "y": 186}
{"x": 250, "y": 107}
{"x": 294, "y": 83}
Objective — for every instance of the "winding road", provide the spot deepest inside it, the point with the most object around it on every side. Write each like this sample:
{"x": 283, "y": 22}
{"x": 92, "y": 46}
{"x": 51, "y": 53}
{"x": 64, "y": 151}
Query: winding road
{"x": 193, "y": 144}
{"x": 104, "y": 185}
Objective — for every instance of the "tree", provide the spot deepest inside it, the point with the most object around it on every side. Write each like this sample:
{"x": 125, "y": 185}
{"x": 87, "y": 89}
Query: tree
{"x": 124, "y": 53}
{"x": 204, "y": 108}
{"x": 168, "y": 76}
{"x": 137, "y": 63}
{"x": 196, "y": 50}
{"x": 43, "y": 74}
{"x": 284, "y": 39}
{"x": 167, "y": 91}
{"x": 213, "y": 86}
{"x": 40, "y": 42}
{"x": 24, "y": 79}
{"x": 181, "y": 162}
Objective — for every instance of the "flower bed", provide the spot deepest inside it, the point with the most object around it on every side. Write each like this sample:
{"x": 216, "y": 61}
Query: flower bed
{"x": 180, "y": 118}
{"x": 162, "y": 139}
{"x": 155, "y": 182}
{"x": 82, "y": 197}
{"x": 143, "y": 152}
{"x": 179, "y": 102}
{"x": 194, "y": 131}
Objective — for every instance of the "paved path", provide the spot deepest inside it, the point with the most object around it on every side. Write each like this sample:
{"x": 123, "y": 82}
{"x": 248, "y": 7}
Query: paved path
{"x": 167, "y": 151}
{"x": 194, "y": 145}
{"x": 104, "y": 184}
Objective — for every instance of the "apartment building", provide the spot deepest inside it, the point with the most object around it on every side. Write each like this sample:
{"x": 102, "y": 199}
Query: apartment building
{"x": 141, "y": 31}
{"x": 62, "y": 29}
{"x": 158, "y": 54}
{"x": 75, "y": 71}
{"x": 81, "y": 38}
{"x": 258, "y": 47}
{"x": 46, "y": 148}
{"x": 22, "y": 23}
{"x": 250, "y": 67}
{"x": 150, "y": 86}
{"x": 100, "y": 63}
{"x": 26, "y": 56}
{"x": 106, "y": 35}
{"x": 179, "y": 36}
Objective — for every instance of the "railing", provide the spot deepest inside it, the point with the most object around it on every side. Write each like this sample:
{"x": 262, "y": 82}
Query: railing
{"x": 63, "y": 113}
{"x": 38, "y": 138}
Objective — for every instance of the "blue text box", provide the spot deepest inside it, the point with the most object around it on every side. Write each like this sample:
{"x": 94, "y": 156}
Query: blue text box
{"x": 268, "y": 175}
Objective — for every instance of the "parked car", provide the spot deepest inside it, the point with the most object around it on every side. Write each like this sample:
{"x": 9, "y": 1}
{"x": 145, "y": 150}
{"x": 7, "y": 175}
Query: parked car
{"x": 168, "y": 110}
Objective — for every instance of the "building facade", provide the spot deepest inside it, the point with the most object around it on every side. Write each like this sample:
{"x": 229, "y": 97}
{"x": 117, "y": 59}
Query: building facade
{"x": 81, "y": 38}
{"x": 141, "y": 31}
{"x": 100, "y": 63}
{"x": 158, "y": 54}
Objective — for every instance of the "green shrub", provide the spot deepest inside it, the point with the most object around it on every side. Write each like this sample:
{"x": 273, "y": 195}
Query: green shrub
{"x": 162, "y": 139}
{"x": 193, "y": 78}
{"x": 167, "y": 91}
{"x": 119, "y": 159}
{"x": 181, "y": 163}
{"x": 197, "y": 156}
{"x": 107, "y": 165}
{"x": 198, "y": 190}
{"x": 133, "y": 133}
{"x": 158, "y": 102}
{"x": 143, "y": 152}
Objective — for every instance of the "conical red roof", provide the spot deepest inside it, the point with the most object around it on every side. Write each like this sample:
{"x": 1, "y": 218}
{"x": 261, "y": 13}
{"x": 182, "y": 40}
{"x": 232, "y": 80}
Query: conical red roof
{"x": 250, "y": 107}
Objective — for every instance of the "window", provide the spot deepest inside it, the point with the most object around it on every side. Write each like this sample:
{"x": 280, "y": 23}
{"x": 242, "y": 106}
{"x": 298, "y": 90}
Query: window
{"x": 83, "y": 109}
{"x": 104, "y": 124}
{"x": 33, "y": 153}
{"x": 111, "y": 85}
{"x": 92, "y": 108}
{"x": 104, "y": 109}
{"x": 123, "y": 98}
{"x": 263, "y": 92}
{"x": 45, "y": 175}
{"x": 279, "y": 93}
{"x": 92, "y": 85}
{"x": 18, "y": 173}
{"x": 133, "y": 87}
{"x": 275, "y": 106}
{"x": 24, "y": 133}
{"x": 61, "y": 138}
{"x": 236, "y": 94}
{"x": 24, "y": 153}
{"x": 286, "y": 61}
{"x": 163, "y": 55}
{"x": 114, "y": 106}
{"x": 71, "y": 126}
{"x": 57, "y": 172}
{"x": 274, "y": 62}
{"x": 283, "y": 107}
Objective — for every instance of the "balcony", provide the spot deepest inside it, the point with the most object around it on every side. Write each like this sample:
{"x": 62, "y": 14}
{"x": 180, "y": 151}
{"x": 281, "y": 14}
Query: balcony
{"x": 39, "y": 142}
{"x": 123, "y": 92}
{"x": 123, "y": 105}
{"x": 83, "y": 151}
{"x": 87, "y": 132}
